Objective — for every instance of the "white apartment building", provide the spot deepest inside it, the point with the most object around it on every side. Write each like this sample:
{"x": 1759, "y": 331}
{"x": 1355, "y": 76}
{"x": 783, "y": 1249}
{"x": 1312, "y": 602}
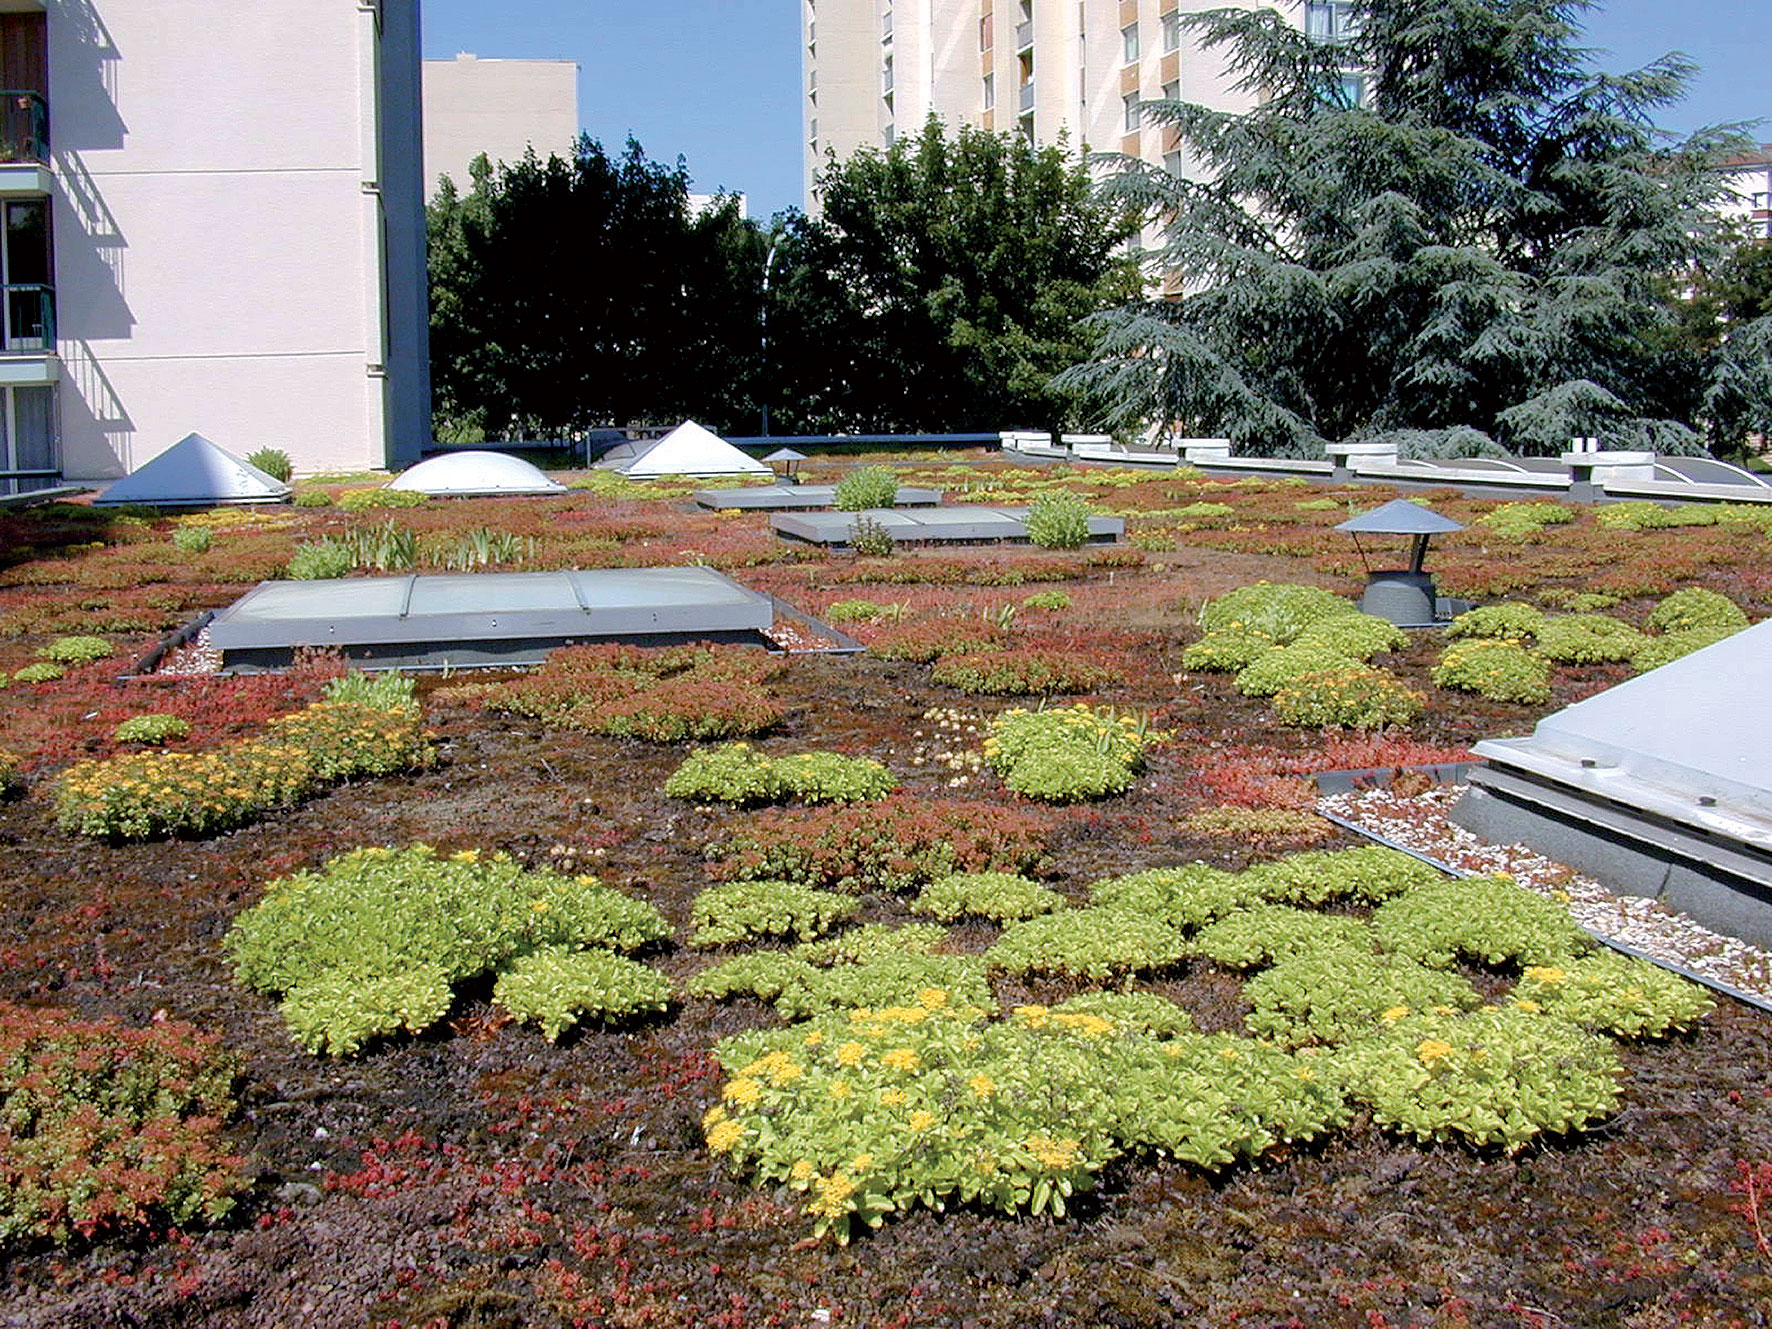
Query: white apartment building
{"x": 1749, "y": 204}
{"x": 214, "y": 223}
{"x": 498, "y": 107}
{"x": 877, "y": 68}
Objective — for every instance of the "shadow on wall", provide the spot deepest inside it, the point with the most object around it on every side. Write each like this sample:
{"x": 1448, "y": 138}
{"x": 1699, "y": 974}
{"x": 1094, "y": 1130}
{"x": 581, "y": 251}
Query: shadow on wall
{"x": 92, "y": 410}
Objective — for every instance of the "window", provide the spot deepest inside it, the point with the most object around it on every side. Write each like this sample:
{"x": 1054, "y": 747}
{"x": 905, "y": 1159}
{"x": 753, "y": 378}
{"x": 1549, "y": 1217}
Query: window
{"x": 891, "y": 134}
{"x": 1129, "y": 42}
{"x": 886, "y": 26}
{"x": 25, "y": 269}
{"x": 1172, "y": 91}
{"x": 1172, "y": 32}
{"x": 886, "y": 77}
{"x": 812, "y": 132}
{"x": 1331, "y": 20}
{"x": 28, "y": 441}
{"x": 990, "y": 91}
{"x": 1134, "y": 117}
{"x": 1353, "y": 90}
{"x": 984, "y": 33}
{"x": 1172, "y": 163}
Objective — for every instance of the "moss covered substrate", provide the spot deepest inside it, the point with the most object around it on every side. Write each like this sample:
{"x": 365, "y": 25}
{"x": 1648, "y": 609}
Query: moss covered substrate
{"x": 480, "y": 1176}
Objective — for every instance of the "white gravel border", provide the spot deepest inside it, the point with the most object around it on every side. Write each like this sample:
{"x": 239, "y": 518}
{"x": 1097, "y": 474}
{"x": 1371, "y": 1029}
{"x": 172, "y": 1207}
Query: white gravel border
{"x": 1642, "y": 925}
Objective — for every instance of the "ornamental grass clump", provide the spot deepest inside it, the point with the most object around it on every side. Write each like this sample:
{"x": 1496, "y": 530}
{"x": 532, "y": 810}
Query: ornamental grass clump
{"x": 1489, "y": 920}
{"x": 1099, "y": 942}
{"x": 1068, "y": 754}
{"x": 1587, "y": 639}
{"x": 870, "y": 487}
{"x": 1338, "y": 994}
{"x": 1274, "y": 669}
{"x": 1058, "y": 520}
{"x": 1497, "y": 670}
{"x": 1615, "y": 994}
{"x": 1349, "y": 697}
{"x": 739, "y": 774}
{"x": 897, "y": 844}
{"x": 1273, "y": 933}
{"x": 1500, "y": 1076}
{"x": 1002, "y": 897}
{"x": 1022, "y": 673}
{"x": 109, "y": 1128}
{"x": 1509, "y": 620}
{"x": 757, "y": 910}
{"x": 375, "y": 941}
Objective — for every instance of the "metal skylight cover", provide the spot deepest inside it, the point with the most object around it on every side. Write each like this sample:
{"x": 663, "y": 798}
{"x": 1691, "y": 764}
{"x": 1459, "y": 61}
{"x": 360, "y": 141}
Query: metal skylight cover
{"x": 194, "y": 472}
{"x": 475, "y": 473}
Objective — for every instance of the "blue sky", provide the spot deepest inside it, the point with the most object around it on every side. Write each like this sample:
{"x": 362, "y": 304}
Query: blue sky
{"x": 717, "y": 82}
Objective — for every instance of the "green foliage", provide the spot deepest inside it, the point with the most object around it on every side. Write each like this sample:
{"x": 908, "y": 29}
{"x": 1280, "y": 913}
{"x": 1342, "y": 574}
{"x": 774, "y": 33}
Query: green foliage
{"x": 1498, "y": 670}
{"x": 738, "y": 773}
{"x": 274, "y": 462}
{"x": 871, "y": 538}
{"x": 375, "y": 940}
{"x": 193, "y": 539}
{"x": 1615, "y": 994}
{"x": 1059, "y": 520}
{"x": 76, "y": 650}
{"x": 1047, "y": 601}
{"x": 1355, "y": 697}
{"x": 1587, "y": 639}
{"x": 320, "y": 560}
{"x": 152, "y": 729}
{"x": 1067, "y": 754}
{"x": 1099, "y": 942}
{"x": 1021, "y": 673}
{"x": 1498, "y": 1076}
{"x": 1364, "y": 874}
{"x": 1272, "y": 670}
{"x": 933, "y": 1104}
{"x": 558, "y": 986}
{"x": 1001, "y": 897}
{"x": 746, "y": 910}
{"x": 761, "y": 974}
{"x": 872, "y": 941}
{"x": 1493, "y": 262}
{"x": 1516, "y": 521}
{"x": 1511, "y": 620}
{"x": 1187, "y": 896}
{"x": 1145, "y": 1012}
{"x": 109, "y": 1128}
{"x": 1273, "y": 933}
{"x": 870, "y": 487}
{"x": 40, "y": 672}
{"x": 854, "y": 611}
{"x": 1670, "y": 646}
{"x": 312, "y": 497}
{"x": 1635, "y": 515}
{"x": 1356, "y": 635}
{"x": 369, "y": 500}
{"x": 1276, "y": 610}
{"x": 1694, "y": 608}
{"x": 942, "y": 284}
{"x": 1339, "y": 994}
{"x": 386, "y": 690}
{"x": 1487, "y": 919}
{"x": 884, "y": 980}
{"x": 1226, "y": 652}
{"x": 11, "y": 776}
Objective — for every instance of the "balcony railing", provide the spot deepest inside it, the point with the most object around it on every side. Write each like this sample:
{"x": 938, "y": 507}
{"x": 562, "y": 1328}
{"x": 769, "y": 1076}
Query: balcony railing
{"x": 24, "y": 127}
{"x": 1024, "y": 35}
{"x": 1026, "y": 101}
{"x": 29, "y": 320}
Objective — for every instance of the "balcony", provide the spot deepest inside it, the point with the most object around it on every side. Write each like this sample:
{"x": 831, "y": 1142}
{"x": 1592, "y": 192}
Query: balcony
{"x": 1025, "y": 99}
{"x": 1024, "y": 35}
{"x": 27, "y": 321}
{"x": 24, "y": 144}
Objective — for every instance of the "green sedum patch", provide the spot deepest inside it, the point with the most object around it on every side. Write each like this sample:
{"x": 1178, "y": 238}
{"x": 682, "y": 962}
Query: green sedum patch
{"x": 1498, "y": 670}
{"x": 1487, "y": 919}
{"x": 1186, "y": 896}
{"x": 748, "y": 910}
{"x": 1587, "y": 639}
{"x": 1364, "y": 874}
{"x": 1226, "y": 652}
{"x": 1500, "y": 1076}
{"x": 1509, "y": 620}
{"x": 1058, "y": 520}
{"x": 1099, "y": 942}
{"x": 1356, "y": 635}
{"x": 870, "y": 487}
{"x": 1336, "y": 995}
{"x": 557, "y": 986}
{"x": 1352, "y": 697}
{"x": 1067, "y": 754}
{"x": 1002, "y": 897}
{"x": 1273, "y": 933}
{"x": 1275, "y": 610}
{"x": 375, "y": 941}
{"x": 151, "y": 730}
{"x": 1695, "y": 608}
{"x": 738, "y": 773}
{"x": 76, "y": 650}
{"x": 1272, "y": 670}
{"x": 1615, "y": 994}
{"x": 1671, "y": 646}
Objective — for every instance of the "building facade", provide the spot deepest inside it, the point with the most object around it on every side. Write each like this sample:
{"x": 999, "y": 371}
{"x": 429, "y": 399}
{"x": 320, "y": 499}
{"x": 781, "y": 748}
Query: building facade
{"x": 1749, "y": 203}
{"x": 498, "y": 107}
{"x": 1041, "y": 68}
{"x": 214, "y": 223}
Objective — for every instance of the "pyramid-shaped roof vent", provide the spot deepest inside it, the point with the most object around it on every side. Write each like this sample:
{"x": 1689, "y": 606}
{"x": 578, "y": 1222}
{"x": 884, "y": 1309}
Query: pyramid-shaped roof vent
{"x": 688, "y": 449}
{"x": 194, "y": 472}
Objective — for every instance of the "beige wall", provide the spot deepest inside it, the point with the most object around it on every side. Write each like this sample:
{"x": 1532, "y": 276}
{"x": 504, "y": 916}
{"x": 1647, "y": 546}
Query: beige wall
{"x": 220, "y": 247}
{"x": 498, "y": 107}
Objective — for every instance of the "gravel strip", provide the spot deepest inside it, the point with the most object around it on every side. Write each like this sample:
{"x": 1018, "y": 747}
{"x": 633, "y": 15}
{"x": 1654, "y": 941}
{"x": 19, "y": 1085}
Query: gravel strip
{"x": 1419, "y": 822}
